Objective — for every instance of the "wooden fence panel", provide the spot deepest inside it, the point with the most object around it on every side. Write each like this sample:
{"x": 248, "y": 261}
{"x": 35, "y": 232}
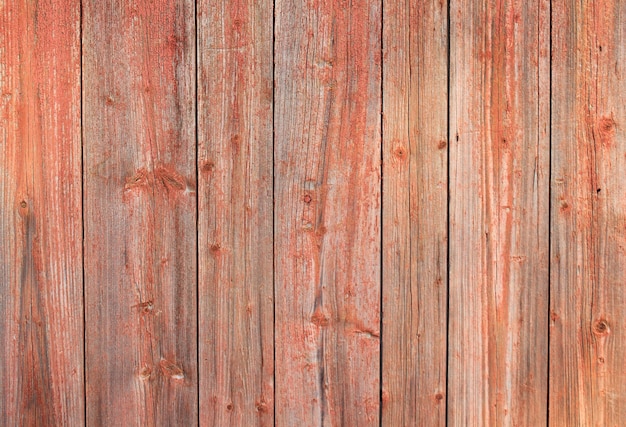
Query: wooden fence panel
{"x": 588, "y": 259}
{"x": 41, "y": 291}
{"x": 499, "y": 210}
{"x": 140, "y": 212}
{"x": 415, "y": 202}
{"x": 327, "y": 211}
{"x": 233, "y": 255}
{"x": 235, "y": 212}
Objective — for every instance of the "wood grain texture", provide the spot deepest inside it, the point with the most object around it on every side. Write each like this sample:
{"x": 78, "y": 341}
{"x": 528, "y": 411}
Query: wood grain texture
{"x": 40, "y": 214}
{"x": 140, "y": 212}
{"x": 235, "y": 213}
{"x": 588, "y": 283}
{"x": 415, "y": 197}
{"x": 499, "y": 171}
{"x": 327, "y": 212}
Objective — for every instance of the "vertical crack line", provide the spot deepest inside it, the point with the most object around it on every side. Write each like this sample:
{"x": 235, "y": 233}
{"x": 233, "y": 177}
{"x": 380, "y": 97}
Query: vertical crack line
{"x": 82, "y": 212}
{"x": 197, "y": 140}
{"x": 549, "y": 215}
{"x": 448, "y": 212}
{"x": 274, "y": 299}
{"x": 382, "y": 234}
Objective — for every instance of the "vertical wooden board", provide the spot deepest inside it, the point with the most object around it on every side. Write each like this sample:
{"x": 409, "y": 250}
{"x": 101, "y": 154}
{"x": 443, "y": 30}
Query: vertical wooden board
{"x": 588, "y": 274}
{"x": 415, "y": 127}
{"x": 327, "y": 211}
{"x": 40, "y": 214}
{"x": 235, "y": 212}
{"x": 140, "y": 212}
{"x": 499, "y": 171}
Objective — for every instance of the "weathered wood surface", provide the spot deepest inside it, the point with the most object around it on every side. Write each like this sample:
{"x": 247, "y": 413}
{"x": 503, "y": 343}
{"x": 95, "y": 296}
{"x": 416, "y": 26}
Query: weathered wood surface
{"x": 453, "y": 169}
{"x": 588, "y": 259}
{"x": 41, "y": 332}
{"x": 235, "y": 213}
{"x": 499, "y": 210}
{"x": 140, "y": 212}
{"x": 415, "y": 201}
{"x": 327, "y": 211}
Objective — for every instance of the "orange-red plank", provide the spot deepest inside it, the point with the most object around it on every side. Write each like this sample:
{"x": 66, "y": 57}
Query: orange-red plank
{"x": 499, "y": 173}
{"x": 40, "y": 214}
{"x": 327, "y": 211}
{"x": 588, "y": 260}
{"x": 415, "y": 126}
{"x": 140, "y": 212}
{"x": 235, "y": 212}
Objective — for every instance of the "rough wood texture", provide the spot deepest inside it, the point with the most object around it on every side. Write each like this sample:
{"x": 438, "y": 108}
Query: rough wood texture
{"x": 327, "y": 212}
{"x": 499, "y": 171}
{"x": 588, "y": 293}
{"x": 497, "y": 244}
{"x": 140, "y": 212}
{"x": 41, "y": 332}
{"x": 235, "y": 213}
{"x": 415, "y": 126}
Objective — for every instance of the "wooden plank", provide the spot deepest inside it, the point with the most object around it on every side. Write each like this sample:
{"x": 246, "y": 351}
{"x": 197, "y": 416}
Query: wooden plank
{"x": 140, "y": 212}
{"x": 588, "y": 272}
{"x": 40, "y": 214}
{"x": 327, "y": 211}
{"x": 235, "y": 212}
{"x": 499, "y": 171}
{"x": 415, "y": 202}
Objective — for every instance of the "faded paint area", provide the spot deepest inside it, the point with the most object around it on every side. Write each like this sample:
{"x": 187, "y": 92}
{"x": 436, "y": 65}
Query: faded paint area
{"x": 499, "y": 212}
{"x": 327, "y": 241}
{"x": 235, "y": 230}
{"x": 415, "y": 220}
{"x": 140, "y": 212}
{"x": 587, "y": 355}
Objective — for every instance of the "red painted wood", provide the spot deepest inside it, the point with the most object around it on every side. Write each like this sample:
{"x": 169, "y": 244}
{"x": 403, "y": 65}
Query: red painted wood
{"x": 327, "y": 212}
{"x": 282, "y": 245}
{"x": 499, "y": 215}
{"x": 588, "y": 292}
{"x": 415, "y": 201}
{"x": 140, "y": 212}
{"x": 40, "y": 214}
{"x": 235, "y": 213}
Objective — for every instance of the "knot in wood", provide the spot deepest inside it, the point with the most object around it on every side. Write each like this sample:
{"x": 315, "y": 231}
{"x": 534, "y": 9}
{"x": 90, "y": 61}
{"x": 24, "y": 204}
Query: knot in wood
{"x": 601, "y": 328}
{"x": 400, "y": 152}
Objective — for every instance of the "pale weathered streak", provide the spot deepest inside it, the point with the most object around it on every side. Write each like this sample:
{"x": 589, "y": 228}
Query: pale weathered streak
{"x": 327, "y": 212}
{"x": 415, "y": 106}
{"x": 588, "y": 283}
{"x": 235, "y": 212}
{"x": 499, "y": 169}
{"x": 140, "y": 212}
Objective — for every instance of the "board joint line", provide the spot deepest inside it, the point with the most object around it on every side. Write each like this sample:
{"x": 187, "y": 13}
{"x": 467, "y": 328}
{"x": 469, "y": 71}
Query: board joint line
{"x": 448, "y": 133}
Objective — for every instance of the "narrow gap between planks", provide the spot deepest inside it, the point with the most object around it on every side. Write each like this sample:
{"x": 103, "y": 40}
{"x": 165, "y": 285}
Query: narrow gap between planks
{"x": 82, "y": 213}
{"x": 449, "y": 32}
{"x": 549, "y": 212}
{"x": 382, "y": 175}
{"x": 197, "y": 130}
{"x": 274, "y": 206}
